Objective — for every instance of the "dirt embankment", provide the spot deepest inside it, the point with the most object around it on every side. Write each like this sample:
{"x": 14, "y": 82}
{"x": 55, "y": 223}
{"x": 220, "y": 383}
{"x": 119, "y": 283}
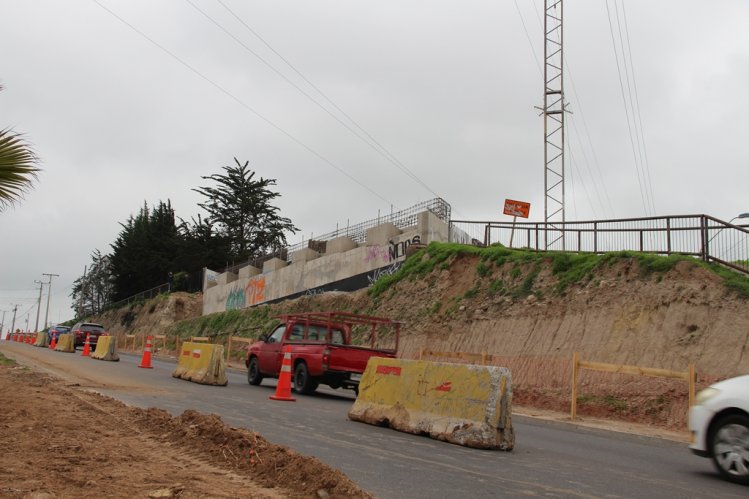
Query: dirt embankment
{"x": 619, "y": 313}
{"x": 60, "y": 441}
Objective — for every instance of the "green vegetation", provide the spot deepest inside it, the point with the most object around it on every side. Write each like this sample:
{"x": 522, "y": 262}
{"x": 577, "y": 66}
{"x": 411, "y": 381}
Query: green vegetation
{"x": 436, "y": 306}
{"x": 497, "y": 287}
{"x": 246, "y": 322}
{"x": 526, "y": 288}
{"x": 5, "y": 361}
{"x": 471, "y": 292}
{"x": 569, "y": 269}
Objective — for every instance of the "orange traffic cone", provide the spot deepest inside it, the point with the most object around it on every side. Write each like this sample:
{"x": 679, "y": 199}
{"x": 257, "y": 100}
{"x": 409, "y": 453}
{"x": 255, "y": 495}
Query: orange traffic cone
{"x": 146, "y": 360}
{"x": 53, "y": 343}
{"x": 283, "y": 387}
{"x": 7, "y": 336}
{"x": 87, "y": 346}
{"x": 30, "y": 340}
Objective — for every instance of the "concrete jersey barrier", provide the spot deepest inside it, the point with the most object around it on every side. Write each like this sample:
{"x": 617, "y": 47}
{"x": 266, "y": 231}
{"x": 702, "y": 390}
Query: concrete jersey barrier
{"x": 41, "y": 339}
{"x": 458, "y": 403}
{"x": 202, "y": 363}
{"x": 65, "y": 343}
{"x": 106, "y": 349}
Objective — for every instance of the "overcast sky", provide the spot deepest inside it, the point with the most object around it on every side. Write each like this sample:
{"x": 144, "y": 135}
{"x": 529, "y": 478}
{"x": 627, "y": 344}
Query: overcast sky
{"x": 447, "y": 87}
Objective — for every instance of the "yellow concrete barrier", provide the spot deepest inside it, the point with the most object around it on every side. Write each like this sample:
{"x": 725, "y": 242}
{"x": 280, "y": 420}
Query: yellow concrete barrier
{"x": 106, "y": 349}
{"x": 201, "y": 363}
{"x": 458, "y": 403}
{"x": 41, "y": 340}
{"x": 65, "y": 343}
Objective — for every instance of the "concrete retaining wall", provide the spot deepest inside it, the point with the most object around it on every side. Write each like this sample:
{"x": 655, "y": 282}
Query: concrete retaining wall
{"x": 342, "y": 260}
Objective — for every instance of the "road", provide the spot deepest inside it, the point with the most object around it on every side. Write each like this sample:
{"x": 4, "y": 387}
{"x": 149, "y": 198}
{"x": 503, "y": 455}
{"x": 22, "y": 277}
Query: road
{"x": 551, "y": 459}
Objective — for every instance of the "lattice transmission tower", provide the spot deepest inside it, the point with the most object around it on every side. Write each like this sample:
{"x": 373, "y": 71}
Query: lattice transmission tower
{"x": 553, "y": 112}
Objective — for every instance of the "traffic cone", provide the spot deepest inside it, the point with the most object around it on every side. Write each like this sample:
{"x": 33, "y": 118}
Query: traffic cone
{"x": 53, "y": 344}
{"x": 87, "y": 346}
{"x": 28, "y": 338}
{"x": 146, "y": 360}
{"x": 283, "y": 387}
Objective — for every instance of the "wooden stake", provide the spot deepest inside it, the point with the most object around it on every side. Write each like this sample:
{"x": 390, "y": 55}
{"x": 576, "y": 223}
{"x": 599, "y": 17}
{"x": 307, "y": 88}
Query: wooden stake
{"x": 573, "y": 405}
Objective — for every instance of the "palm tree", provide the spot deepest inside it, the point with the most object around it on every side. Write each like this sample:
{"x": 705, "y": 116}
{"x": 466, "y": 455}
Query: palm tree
{"x": 18, "y": 167}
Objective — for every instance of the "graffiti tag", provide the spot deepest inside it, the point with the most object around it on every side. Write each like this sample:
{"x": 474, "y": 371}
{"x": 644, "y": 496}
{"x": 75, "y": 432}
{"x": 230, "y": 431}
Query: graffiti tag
{"x": 397, "y": 250}
{"x": 385, "y": 271}
{"x": 255, "y": 290}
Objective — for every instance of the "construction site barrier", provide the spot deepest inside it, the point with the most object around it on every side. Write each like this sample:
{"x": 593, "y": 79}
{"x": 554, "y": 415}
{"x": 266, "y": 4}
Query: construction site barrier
{"x": 689, "y": 376}
{"x": 156, "y": 339}
{"x": 128, "y": 338}
{"x": 202, "y": 339}
{"x": 201, "y": 363}
{"x": 65, "y": 343}
{"x": 41, "y": 340}
{"x": 238, "y": 339}
{"x": 106, "y": 349}
{"x": 458, "y": 403}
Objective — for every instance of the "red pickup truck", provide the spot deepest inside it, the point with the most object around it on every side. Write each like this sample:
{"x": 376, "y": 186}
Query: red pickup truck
{"x": 326, "y": 347}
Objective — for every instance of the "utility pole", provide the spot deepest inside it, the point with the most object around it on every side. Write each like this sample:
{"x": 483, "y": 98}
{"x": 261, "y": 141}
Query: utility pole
{"x": 38, "y": 304}
{"x": 2, "y": 324}
{"x": 49, "y": 293}
{"x": 553, "y": 112}
{"x": 13, "y": 327}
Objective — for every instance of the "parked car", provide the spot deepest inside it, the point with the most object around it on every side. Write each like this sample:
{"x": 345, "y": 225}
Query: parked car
{"x": 56, "y": 330}
{"x": 326, "y": 347}
{"x": 719, "y": 426}
{"x": 80, "y": 330}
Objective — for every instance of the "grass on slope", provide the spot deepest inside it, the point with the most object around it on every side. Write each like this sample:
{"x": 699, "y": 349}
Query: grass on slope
{"x": 568, "y": 268}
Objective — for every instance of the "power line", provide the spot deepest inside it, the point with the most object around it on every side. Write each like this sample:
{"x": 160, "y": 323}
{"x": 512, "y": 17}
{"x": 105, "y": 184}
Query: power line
{"x": 626, "y": 111}
{"x": 637, "y": 107}
{"x": 374, "y": 144}
{"x": 239, "y": 101}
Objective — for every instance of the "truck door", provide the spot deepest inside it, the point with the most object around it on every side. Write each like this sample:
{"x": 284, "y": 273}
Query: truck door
{"x": 269, "y": 356}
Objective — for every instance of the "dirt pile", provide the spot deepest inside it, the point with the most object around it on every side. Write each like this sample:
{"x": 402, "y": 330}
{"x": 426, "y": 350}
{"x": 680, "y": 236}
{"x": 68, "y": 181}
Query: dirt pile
{"x": 60, "y": 441}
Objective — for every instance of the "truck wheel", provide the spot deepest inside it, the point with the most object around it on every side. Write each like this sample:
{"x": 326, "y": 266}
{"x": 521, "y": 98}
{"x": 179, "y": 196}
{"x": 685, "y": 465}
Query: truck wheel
{"x": 303, "y": 382}
{"x": 253, "y": 373}
{"x": 730, "y": 448}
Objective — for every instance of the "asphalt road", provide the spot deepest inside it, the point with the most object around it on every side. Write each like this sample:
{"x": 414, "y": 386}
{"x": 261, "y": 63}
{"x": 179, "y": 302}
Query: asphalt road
{"x": 550, "y": 459}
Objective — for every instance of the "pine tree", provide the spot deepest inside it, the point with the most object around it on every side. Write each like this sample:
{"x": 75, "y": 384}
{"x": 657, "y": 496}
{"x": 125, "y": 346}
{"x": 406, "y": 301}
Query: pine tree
{"x": 240, "y": 206}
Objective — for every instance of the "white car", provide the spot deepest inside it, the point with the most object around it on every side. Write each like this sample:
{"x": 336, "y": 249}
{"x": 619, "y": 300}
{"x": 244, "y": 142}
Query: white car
{"x": 719, "y": 426}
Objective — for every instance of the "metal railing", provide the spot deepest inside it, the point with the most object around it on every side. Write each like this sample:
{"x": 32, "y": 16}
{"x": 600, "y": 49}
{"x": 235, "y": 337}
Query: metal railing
{"x": 702, "y": 236}
{"x": 358, "y": 232}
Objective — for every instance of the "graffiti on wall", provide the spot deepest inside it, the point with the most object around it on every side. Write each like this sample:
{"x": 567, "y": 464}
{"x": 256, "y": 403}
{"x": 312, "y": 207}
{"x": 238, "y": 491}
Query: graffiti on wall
{"x": 255, "y": 290}
{"x": 397, "y": 250}
{"x": 385, "y": 271}
{"x": 377, "y": 253}
{"x": 251, "y": 294}
{"x": 235, "y": 299}
{"x": 390, "y": 253}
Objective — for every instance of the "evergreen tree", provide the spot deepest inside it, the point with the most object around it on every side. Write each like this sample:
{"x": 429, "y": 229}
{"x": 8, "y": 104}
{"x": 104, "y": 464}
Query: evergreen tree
{"x": 145, "y": 251}
{"x": 240, "y": 206}
{"x": 93, "y": 291}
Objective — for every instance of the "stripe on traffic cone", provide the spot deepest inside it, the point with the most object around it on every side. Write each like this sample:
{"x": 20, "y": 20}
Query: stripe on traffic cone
{"x": 283, "y": 388}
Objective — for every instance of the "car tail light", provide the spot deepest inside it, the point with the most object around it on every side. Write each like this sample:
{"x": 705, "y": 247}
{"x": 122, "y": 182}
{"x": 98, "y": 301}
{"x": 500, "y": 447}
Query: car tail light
{"x": 325, "y": 359}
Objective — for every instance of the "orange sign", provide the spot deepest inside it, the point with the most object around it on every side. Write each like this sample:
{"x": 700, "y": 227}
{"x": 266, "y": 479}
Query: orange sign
{"x": 517, "y": 208}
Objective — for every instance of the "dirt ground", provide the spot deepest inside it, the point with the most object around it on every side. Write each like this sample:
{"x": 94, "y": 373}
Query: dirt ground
{"x": 58, "y": 440}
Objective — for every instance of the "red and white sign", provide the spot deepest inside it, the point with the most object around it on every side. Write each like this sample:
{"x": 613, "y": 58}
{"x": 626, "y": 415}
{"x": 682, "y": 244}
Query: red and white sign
{"x": 517, "y": 208}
